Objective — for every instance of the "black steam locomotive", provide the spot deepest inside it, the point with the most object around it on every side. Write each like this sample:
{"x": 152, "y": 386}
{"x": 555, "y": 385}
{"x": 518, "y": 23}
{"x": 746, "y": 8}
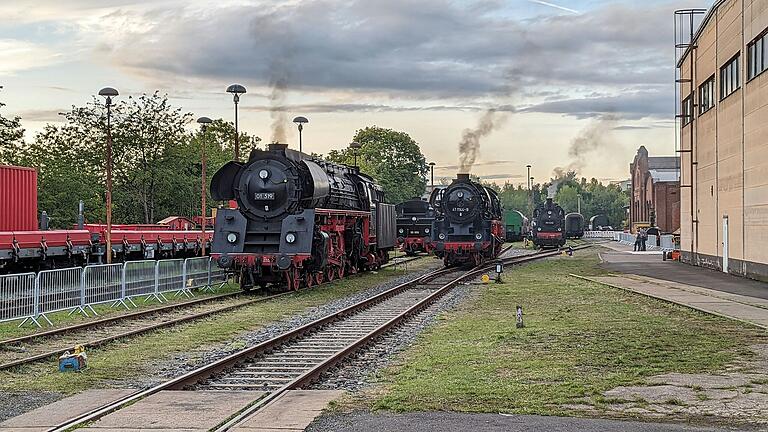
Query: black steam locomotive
{"x": 574, "y": 225}
{"x": 414, "y": 224}
{"x": 549, "y": 225}
{"x": 468, "y": 228}
{"x": 299, "y": 220}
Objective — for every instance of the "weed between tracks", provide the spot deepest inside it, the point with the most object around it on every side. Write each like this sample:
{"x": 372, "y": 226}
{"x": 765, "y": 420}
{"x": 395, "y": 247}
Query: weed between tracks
{"x": 580, "y": 339}
{"x": 119, "y": 362}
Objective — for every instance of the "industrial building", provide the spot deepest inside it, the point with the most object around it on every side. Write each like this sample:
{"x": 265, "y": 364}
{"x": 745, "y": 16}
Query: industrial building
{"x": 655, "y": 192}
{"x": 723, "y": 120}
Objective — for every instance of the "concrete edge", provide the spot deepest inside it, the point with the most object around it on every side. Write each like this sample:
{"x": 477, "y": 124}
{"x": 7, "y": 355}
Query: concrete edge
{"x": 671, "y": 302}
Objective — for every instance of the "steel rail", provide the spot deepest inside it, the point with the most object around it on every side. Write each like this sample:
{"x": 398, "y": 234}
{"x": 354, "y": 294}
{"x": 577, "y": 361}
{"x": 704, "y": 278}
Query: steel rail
{"x": 195, "y": 376}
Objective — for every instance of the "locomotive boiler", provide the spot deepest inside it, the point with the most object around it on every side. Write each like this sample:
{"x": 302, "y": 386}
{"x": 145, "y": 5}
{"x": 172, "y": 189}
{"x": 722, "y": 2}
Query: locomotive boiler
{"x": 299, "y": 220}
{"x": 549, "y": 225}
{"x": 468, "y": 227}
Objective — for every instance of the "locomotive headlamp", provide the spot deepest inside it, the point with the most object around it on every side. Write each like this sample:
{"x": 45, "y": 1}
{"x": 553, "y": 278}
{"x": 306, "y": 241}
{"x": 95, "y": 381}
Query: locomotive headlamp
{"x": 559, "y": 229}
{"x": 479, "y": 236}
{"x": 538, "y": 229}
{"x": 232, "y": 238}
{"x": 441, "y": 236}
{"x": 414, "y": 218}
{"x": 290, "y": 237}
{"x": 401, "y": 230}
{"x": 426, "y": 230}
{"x": 263, "y": 174}
{"x": 460, "y": 194}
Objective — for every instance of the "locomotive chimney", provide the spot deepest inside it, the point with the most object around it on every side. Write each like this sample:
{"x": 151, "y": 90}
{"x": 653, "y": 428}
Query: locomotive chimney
{"x": 277, "y": 147}
{"x": 464, "y": 177}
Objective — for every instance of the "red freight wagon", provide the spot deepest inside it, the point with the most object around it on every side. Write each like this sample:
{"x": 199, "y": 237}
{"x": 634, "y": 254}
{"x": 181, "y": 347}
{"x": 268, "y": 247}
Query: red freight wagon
{"x": 18, "y": 199}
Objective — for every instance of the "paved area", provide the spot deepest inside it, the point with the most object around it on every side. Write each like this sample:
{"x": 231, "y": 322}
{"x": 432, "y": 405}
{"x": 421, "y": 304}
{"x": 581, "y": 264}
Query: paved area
{"x": 293, "y": 411}
{"x": 188, "y": 411}
{"x": 742, "y": 308}
{"x": 621, "y": 259}
{"x": 458, "y": 422}
{"x": 48, "y": 416}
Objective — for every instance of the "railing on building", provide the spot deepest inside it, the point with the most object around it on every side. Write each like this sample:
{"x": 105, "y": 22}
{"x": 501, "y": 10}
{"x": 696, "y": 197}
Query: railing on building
{"x": 33, "y": 297}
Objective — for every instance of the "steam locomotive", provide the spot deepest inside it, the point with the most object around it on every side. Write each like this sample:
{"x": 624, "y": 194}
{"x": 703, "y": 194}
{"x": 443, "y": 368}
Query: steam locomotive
{"x": 300, "y": 220}
{"x": 468, "y": 228}
{"x": 414, "y": 223}
{"x": 549, "y": 225}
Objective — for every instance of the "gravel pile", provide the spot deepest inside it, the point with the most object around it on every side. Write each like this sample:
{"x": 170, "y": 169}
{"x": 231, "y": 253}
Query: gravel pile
{"x": 13, "y": 404}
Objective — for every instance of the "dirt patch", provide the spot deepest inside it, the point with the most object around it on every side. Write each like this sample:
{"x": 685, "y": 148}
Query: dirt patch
{"x": 737, "y": 394}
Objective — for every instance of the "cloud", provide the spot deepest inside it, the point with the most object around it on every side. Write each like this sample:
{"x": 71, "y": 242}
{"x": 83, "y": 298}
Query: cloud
{"x": 637, "y": 105}
{"x": 18, "y": 55}
{"x": 477, "y": 164}
{"x": 359, "y": 107}
{"x": 555, "y": 6}
{"x": 51, "y": 115}
{"x": 501, "y": 176}
{"x": 440, "y": 50}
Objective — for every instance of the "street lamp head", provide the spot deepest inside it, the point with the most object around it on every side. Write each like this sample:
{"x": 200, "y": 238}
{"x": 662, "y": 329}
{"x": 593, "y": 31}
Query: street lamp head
{"x": 236, "y": 89}
{"x": 204, "y": 122}
{"x": 300, "y": 120}
{"x": 432, "y": 164}
{"x": 355, "y": 145}
{"x": 108, "y": 92}
{"x": 528, "y": 166}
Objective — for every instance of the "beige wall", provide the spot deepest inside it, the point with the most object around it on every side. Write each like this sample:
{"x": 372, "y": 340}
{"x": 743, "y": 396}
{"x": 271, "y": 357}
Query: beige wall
{"x": 730, "y": 142}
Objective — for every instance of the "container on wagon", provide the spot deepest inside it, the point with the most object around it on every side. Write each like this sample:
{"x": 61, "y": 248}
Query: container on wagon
{"x": 18, "y": 199}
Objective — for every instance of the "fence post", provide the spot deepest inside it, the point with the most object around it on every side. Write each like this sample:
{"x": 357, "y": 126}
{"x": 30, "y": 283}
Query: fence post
{"x": 36, "y": 305}
{"x": 183, "y": 289}
{"x": 81, "y": 308}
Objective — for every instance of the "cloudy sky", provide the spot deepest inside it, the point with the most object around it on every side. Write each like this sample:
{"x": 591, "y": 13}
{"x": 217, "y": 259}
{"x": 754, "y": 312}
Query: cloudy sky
{"x": 555, "y": 71}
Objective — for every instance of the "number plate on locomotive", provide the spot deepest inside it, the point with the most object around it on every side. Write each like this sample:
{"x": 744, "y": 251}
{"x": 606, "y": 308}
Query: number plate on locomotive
{"x": 263, "y": 196}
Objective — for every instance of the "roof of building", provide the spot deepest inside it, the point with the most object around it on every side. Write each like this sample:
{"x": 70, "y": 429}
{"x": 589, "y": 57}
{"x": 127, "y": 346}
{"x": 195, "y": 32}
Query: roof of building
{"x": 665, "y": 175}
{"x": 663, "y": 162}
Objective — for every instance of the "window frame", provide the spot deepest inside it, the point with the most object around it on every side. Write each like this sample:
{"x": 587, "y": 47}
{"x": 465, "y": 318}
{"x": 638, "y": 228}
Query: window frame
{"x": 732, "y": 76}
{"x": 761, "y": 40}
{"x": 688, "y": 110}
{"x": 707, "y": 89}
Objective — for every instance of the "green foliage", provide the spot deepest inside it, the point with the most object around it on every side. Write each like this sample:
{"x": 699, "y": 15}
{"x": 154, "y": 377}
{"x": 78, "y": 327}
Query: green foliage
{"x": 11, "y": 139}
{"x": 596, "y": 198}
{"x": 393, "y": 158}
{"x": 156, "y": 161}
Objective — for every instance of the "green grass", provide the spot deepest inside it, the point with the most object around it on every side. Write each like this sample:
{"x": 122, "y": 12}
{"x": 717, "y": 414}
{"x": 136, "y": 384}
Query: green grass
{"x": 118, "y": 362}
{"x": 11, "y": 329}
{"x": 580, "y": 340}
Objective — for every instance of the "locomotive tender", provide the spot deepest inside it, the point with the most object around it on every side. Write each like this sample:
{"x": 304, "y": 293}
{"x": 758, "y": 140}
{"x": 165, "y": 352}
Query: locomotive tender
{"x": 299, "y": 221}
{"x": 574, "y": 225}
{"x": 414, "y": 224}
{"x": 468, "y": 228}
{"x": 549, "y": 225}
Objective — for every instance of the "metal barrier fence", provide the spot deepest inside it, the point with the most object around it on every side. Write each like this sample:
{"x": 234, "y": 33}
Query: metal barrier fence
{"x": 30, "y": 297}
{"x": 600, "y": 234}
{"x": 663, "y": 243}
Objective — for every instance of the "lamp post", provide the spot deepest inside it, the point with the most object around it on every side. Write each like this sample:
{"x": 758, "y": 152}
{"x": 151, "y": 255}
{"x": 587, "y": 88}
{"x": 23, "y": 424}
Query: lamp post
{"x": 530, "y": 186}
{"x": 108, "y": 93}
{"x": 432, "y": 174}
{"x": 203, "y": 122}
{"x": 578, "y": 207}
{"x": 236, "y": 90}
{"x": 354, "y": 145}
{"x": 300, "y": 121}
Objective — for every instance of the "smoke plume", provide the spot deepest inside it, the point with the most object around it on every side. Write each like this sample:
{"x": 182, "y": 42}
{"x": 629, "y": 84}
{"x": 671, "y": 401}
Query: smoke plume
{"x": 469, "y": 146}
{"x": 277, "y": 111}
{"x": 594, "y": 137}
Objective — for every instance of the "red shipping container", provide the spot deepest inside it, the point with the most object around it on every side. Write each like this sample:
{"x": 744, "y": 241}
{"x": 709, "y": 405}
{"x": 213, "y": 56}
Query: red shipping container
{"x": 18, "y": 199}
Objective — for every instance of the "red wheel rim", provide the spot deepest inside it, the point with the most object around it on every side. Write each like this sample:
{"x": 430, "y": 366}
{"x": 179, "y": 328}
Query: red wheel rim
{"x": 331, "y": 273}
{"x": 309, "y": 280}
{"x": 319, "y": 278}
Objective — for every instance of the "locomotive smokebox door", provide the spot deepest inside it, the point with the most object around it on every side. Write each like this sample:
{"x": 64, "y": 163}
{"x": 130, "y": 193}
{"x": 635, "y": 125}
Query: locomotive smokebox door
{"x": 297, "y": 233}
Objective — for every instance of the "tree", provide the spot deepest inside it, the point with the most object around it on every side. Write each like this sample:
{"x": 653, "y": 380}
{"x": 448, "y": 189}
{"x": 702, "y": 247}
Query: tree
{"x": 393, "y": 158}
{"x": 11, "y": 139}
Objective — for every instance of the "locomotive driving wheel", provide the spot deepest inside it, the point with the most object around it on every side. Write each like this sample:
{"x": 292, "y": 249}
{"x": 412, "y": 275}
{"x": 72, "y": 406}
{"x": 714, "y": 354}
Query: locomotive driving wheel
{"x": 293, "y": 279}
{"x": 319, "y": 277}
{"x": 309, "y": 279}
{"x": 330, "y": 273}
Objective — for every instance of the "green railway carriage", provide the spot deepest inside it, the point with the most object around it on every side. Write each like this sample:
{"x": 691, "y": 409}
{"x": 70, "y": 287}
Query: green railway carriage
{"x": 516, "y": 225}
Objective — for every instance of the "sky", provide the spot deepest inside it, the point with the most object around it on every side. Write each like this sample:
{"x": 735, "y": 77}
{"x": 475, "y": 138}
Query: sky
{"x": 575, "y": 84}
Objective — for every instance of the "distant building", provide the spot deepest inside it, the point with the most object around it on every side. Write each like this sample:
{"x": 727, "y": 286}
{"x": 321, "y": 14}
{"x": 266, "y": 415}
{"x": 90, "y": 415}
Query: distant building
{"x": 723, "y": 112}
{"x": 624, "y": 185}
{"x": 655, "y": 192}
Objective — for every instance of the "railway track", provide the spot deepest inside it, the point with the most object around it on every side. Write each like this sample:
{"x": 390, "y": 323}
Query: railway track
{"x": 37, "y": 346}
{"x": 298, "y": 357}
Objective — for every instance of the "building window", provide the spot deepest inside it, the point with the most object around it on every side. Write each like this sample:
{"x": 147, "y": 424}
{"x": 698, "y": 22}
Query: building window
{"x": 756, "y": 50}
{"x": 687, "y": 112}
{"x": 729, "y": 78}
{"x": 707, "y": 95}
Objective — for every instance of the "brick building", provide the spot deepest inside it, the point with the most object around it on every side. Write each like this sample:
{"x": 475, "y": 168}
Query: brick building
{"x": 655, "y": 192}
{"x": 723, "y": 112}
